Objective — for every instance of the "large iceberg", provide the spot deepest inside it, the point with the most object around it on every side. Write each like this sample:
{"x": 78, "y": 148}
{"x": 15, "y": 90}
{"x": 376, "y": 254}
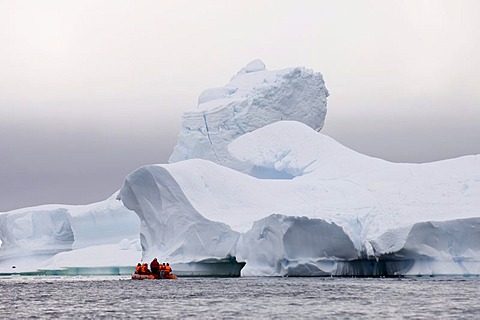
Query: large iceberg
{"x": 338, "y": 212}
{"x": 253, "y": 183}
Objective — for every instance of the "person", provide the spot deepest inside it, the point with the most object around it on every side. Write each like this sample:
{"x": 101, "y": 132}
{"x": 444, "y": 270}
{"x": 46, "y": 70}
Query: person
{"x": 168, "y": 269}
{"x": 155, "y": 267}
{"x": 145, "y": 269}
{"x": 162, "y": 270}
{"x": 138, "y": 268}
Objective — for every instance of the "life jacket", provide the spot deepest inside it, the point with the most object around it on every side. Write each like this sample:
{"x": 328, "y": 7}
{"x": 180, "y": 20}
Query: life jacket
{"x": 138, "y": 269}
{"x": 162, "y": 267}
{"x": 168, "y": 269}
{"x": 145, "y": 269}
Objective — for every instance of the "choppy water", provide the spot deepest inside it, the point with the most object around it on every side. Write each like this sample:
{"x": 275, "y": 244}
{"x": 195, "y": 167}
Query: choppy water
{"x": 115, "y": 297}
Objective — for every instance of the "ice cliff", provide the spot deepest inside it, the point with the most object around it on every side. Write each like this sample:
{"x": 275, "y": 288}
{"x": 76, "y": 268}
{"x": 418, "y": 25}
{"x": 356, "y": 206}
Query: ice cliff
{"x": 171, "y": 227}
{"x": 252, "y": 180}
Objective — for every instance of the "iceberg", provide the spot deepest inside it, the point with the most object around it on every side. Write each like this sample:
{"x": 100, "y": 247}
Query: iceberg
{"x": 337, "y": 213}
{"x": 58, "y": 236}
{"x": 253, "y": 187}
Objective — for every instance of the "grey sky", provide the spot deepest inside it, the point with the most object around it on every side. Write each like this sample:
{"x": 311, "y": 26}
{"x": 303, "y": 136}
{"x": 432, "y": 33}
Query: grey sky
{"x": 90, "y": 90}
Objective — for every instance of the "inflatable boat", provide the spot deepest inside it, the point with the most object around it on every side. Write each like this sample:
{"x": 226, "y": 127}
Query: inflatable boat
{"x": 137, "y": 276}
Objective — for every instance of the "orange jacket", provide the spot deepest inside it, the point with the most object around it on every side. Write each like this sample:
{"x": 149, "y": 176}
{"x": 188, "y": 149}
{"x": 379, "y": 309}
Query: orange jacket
{"x": 168, "y": 269}
{"x": 138, "y": 269}
{"x": 145, "y": 269}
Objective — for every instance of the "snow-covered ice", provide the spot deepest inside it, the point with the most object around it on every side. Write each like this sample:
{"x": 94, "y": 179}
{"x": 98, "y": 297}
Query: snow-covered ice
{"x": 31, "y": 236}
{"x": 252, "y": 180}
{"x": 252, "y": 99}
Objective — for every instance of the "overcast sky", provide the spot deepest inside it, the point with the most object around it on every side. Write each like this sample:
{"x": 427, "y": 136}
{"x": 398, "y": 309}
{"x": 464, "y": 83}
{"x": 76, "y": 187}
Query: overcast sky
{"x": 91, "y": 90}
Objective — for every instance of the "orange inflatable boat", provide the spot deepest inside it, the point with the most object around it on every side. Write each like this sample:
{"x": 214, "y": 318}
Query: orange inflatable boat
{"x": 137, "y": 276}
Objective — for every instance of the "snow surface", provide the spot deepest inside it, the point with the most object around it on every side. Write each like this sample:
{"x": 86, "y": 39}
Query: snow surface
{"x": 277, "y": 195}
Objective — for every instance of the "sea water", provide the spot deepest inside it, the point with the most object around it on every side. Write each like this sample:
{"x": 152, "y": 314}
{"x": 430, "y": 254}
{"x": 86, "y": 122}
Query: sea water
{"x": 120, "y": 297}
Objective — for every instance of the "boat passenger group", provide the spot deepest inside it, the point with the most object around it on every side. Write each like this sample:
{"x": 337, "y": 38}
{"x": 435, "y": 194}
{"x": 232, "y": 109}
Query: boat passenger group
{"x": 156, "y": 271}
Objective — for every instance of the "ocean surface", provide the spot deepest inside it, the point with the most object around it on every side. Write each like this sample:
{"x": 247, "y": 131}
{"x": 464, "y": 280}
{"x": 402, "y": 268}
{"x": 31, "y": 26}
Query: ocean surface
{"x": 265, "y": 298}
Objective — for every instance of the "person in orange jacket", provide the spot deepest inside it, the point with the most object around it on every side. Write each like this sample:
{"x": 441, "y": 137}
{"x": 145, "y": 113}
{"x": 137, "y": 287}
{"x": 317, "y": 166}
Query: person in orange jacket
{"x": 155, "y": 266}
{"x": 162, "y": 269}
{"x": 145, "y": 269}
{"x": 138, "y": 268}
{"x": 168, "y": 269}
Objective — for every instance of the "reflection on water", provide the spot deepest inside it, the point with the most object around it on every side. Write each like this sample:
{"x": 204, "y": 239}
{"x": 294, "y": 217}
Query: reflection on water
{"x": 120, "y": 297}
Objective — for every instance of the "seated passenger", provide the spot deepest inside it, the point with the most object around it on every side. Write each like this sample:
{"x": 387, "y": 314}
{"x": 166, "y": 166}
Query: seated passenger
{"x": 145, "y": 269}
{"x": 162, "y": 269}
{"x": 138, "y": 268}
{"x": 168, "y": 269}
